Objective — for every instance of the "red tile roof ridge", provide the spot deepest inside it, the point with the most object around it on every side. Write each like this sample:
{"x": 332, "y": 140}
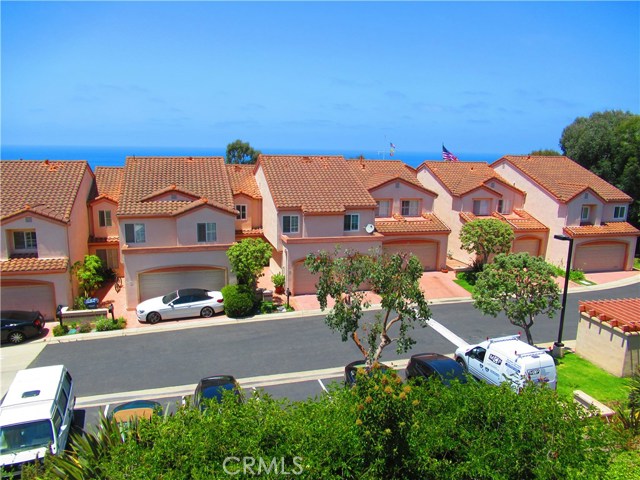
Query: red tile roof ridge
{"x": 609, "y": 228}
{"x": 619, "y": 312}
{"x": 31, "y": 264}
{"x": 202, "y": 202}
{"x": 460, "y": 178}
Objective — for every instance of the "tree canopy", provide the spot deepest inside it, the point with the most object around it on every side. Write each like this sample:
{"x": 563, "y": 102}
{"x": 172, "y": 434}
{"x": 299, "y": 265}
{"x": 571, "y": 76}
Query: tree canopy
{"x": 247, "y": 258}
{"x": 545, "y": 152}
{"x": 519, "y": 285}
{"x": 486, "y": 237}
{"x": 608, "y": 144}
{"x": 89, "y": 274}
{"x": 343, "y": 277}
{"x": 241, "y": 152}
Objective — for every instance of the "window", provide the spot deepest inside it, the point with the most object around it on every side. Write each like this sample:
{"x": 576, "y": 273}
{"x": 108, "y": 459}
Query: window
{"x": 351, "y": 222}
{"x": 481, "y": 207}
{"x": 290, "y": 224}
{"x": 104, "y": 218}
{"x": 109, "y": 257}
{"x": 25, "y": 240}
{"x": 207, "y": 232}
{"x": 584, "y": 214}
{"x": 503, "y": 206}
{"x": 242, "y": 212}
{"x": 134, "y": 233}
{"x": 409, "y": 208}
{"x": 384, "y": 208}
{"x": 620, "y": 213}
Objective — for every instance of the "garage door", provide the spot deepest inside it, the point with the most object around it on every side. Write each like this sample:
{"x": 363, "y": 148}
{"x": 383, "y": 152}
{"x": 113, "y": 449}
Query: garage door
{"x": 304, "y": 282}
{"x": 600, "y": 258}
{"x": 155, "y": 284}
{"x": 529, "y": 245}
{"x": 29, "y": 297}
{"x": 426, "y": 252}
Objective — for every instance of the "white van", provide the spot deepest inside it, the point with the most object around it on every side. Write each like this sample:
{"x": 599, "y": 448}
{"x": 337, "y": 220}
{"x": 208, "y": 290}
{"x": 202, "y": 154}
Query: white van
{"x": 508, "y": 359}
{"x": 35, "y": 416}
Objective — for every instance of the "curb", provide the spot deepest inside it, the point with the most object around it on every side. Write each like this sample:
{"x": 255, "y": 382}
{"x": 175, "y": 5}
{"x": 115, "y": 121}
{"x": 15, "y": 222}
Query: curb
{"x": 223, "y": 320}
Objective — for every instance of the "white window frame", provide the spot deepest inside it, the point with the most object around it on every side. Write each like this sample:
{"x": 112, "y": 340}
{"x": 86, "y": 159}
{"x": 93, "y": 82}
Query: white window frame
{"x": 479, "y": 211}
{"x": 503, "y": 206}
{"x": 353, "y": 226}
{"x": 583, "y": 217}
{"x": 29, "y": 240}
{"x": 291, "y": 224}
{"x": 242, "y": 211}
{"x": 412, "y": 208}
{"x": 135, "y": 233}
{"x": 387, "y": 211}
{"x": 209, "y": 231}
{"x": 104, "y": 218}
{"x": 616, "y": 212}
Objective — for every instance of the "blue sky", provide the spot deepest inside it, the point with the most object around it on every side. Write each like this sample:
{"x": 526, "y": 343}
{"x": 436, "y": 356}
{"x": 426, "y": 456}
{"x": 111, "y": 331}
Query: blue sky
{"x": 503, "y": 77}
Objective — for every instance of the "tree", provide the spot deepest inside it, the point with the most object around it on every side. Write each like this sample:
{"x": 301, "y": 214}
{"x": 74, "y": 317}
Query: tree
{"x": 519, "y": 285}
{"x": 545, "y": 153}
{"x": 485, "y": 237}
{"x": 247, "y": 259}
{"x": 608, "y": 144}
{"x": 89, "y": 274}
{"x": 394, "y": 277}
{"x": 241, "y": 152}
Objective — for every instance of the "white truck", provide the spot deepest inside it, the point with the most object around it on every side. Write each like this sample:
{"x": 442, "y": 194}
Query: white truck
{"x": 508, "y": 359}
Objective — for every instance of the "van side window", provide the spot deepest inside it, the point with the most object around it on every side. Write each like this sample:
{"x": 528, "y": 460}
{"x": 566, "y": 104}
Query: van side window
{"x": 478, "y": 353}
{"x": 57, "y": 421}
{"x": 66, "y": 383}
{"x": 63, "y": 401}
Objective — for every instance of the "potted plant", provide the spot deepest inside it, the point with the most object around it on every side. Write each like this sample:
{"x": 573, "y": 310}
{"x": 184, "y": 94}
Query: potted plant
{"x": 278, "y": 282}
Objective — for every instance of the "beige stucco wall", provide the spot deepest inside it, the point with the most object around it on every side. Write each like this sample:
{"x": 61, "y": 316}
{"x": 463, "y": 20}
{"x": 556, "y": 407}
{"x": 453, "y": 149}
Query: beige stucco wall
{"x": 402, "y": 192}
{"x": 159, "y": 232}
{"x": 136, "y": 263}
{"x": 78, "y": 232}
{"x": 270, "y": 225}
{"x": 254, "y": 212}
{"x": 103, "y": 232}
{"x": 574, "y": 208}
{"x": 51, "y": 236}
{"x": 608, "y": 211}
{"x": 333, "y": 225}
{"x": 608, "y": 347}
{"x": 186, "y": 225}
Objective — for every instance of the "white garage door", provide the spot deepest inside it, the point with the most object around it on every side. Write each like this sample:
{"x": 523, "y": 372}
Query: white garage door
{"x": 600, "y": 258}
{"x": 29, "y": 297}
{"x": 304, "y": 282}
{"x": 155, "y": 284}
{"x": 426, "y": 252}
{"x": 529, "y": 245}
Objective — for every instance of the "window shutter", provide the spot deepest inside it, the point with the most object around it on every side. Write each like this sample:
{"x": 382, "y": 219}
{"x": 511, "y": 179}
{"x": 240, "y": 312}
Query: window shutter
{"x": 202, "y": 232}
{"x": 129, "y": 235}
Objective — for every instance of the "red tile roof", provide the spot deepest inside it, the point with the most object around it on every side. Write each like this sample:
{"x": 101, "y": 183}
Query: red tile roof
{"x": 374, "y": 173}
{"x": 204, "y": 178}
{"x": 612, "y": 228}
{"x": 462, "y": 177}
{"x": 109, "y": 239}
{"x": 621, "y": 312}
{"x": 30, "y": 264}
{"x": 316, "y": 184}
{"x": 48, "y": 188}
{"x": 429, "y": 223}
{"x": 519, "y": 220}
{"x": 109, "y": 182}
{"x": 243, "y": 181}
{"x": 563, "y": 178}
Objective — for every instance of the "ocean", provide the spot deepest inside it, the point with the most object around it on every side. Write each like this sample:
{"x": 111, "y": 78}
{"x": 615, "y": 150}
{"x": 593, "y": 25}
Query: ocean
{"x": 105, "y": 156}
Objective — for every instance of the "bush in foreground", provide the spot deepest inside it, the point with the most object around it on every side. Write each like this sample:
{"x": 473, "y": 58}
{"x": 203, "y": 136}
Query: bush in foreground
{"x": 238, "y": 301}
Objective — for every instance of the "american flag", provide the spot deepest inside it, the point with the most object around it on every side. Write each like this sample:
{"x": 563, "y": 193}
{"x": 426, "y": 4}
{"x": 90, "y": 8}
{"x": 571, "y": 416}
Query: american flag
{"x": 392, "y": 149}
{"x": 448, "y": 156}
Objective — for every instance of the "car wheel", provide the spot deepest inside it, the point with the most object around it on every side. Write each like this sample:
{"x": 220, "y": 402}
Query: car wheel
{"x": 16, "y": 337}
{"x": 461, "y": 363}
{"x": 207, "y": 312}
{"x": 153, "y": 318}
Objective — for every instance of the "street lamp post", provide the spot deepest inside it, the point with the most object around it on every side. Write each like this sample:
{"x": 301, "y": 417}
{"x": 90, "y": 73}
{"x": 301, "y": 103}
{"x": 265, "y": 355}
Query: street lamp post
{"x": 557, "y": 346}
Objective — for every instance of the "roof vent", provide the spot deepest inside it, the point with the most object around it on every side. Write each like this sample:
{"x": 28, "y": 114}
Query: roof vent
{"x": 31, "y": 393}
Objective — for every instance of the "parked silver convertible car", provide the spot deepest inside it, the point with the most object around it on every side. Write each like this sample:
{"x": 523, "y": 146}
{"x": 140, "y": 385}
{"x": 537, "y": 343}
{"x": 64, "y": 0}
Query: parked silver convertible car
{"x": 183, "y": 303}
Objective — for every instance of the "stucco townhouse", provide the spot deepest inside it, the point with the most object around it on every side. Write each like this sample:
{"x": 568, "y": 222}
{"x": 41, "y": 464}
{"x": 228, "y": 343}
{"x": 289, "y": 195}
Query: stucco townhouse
{"x": 45, "y": 227}
{"x": 473, "y": 190}
{"x": 575, "y": 202}
{"x": 176, "y": 218}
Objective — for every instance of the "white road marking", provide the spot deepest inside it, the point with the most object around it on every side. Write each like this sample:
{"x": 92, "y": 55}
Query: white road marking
{"x": 446, "y": 333}
{"x": 322, "y": 385}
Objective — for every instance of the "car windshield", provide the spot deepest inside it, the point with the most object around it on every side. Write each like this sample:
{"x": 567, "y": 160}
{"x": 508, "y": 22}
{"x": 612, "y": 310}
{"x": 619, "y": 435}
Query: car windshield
{"x": 169, "y": 297}
{"x": 215, "y": 391}
{"x": 25, "y": 436}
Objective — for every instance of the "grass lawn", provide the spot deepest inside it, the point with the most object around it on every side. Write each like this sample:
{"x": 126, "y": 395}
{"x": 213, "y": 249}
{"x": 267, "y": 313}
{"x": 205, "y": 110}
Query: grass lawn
{"x": 461, "y": 279}
{"x": 636, "y": 263}
{"x": 575, "y": 373}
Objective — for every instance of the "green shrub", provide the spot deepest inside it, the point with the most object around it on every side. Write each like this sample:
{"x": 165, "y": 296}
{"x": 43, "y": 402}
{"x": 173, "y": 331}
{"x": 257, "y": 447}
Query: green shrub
{"x": 84, "y": 328}
{"x": 278, "y": 279}
{"x": 267, "y": 307}
{"x": 78, "y": 303}
{"x": 239, "y": 301}
{"x": 60, "y": 330}
{"x": 104, "y": 324}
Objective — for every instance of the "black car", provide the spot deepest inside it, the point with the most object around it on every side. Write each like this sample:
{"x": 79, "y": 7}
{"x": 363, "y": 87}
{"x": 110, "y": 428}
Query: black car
{"x": 17, "y": 325}
{"x": 212, "y": 388}
{"x": 351, "y": 370}
{"x": 435, "y": 365}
